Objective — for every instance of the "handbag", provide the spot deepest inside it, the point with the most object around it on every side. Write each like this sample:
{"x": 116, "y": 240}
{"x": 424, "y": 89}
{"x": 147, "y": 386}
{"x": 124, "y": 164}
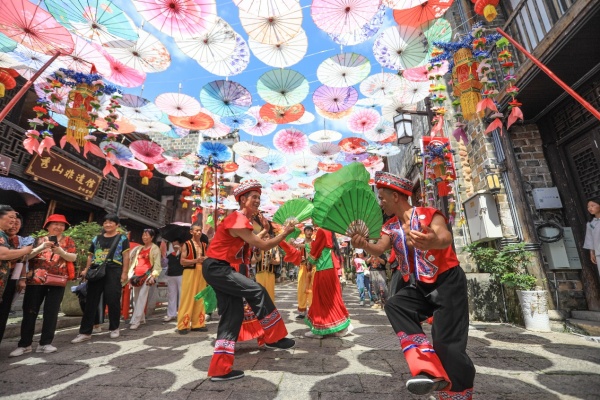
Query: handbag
{"x": 97, "y": 272}
{"x": 43, "y": 277}
{"x": 139, "y": 280}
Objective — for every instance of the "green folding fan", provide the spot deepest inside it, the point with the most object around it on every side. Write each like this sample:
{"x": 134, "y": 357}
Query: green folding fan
{"x": 296, "y": 210}
{"x": 349, "y": 209}
{"x": 210, "y": 299}
{"x": 352, "y": 172}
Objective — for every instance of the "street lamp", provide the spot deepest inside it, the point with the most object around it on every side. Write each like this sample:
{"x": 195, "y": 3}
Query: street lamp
{"x": 403, "y": 126}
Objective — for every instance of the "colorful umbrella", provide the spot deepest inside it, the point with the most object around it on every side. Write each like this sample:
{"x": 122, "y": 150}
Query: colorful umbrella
{"x": 218, "y": 151}
{"x": 282, "y": 87}
{"x": 225, "y": 98}
{"x": 6, "y": 44}
{"x": 240, "y": 121}
{"x": 334, "y": 99}
{"x": 250, "y": 149}
{"x": 219, "y": 130}
{"x": 281, "y": 114}
{"x": 396, "y": 104}
{"x": 387, "y": 151}
{"x": 12, "y": 188}
{"x": 178, "y": 18}
{"x": 427, "y": 11}
{"x": 343, "y": 70}
{"x": 132, "y": 164}
{"x": 363, "y": 120}
{"x": 177, "y": 104}
{"x": 400, "y": 47}
{"x": 97, "y": 20}
{"x": 273, "y": 28}
{"x": 325, "y": 149}
{"x": 383, "y": 130}
{"x": 255, "y": 164}
{"x": 275, "y": 173}
{"x": 437, "y": 30}
{"x": 381, "y": 85}
{"x": 146, "y": 126}
{"x": 371, "y": 160}
{"x": 374, "y": 168}
{"x": 325, "y": 136}
{"x": 343, "y": 16}
{"x": 7, "y": 61}
{"x": 280, "y": 186}
{"x": 198, "y": 121}
{"x": 333, "y": 115}
{"x": 123, "y": 75}
{"x": 84, "y": 55}
{"x": 229, "y": 167}
{"x": 30, "y": 61}
{"x": 233, "y": 64}
{"x": 275, "y": 160}
{"x": 262, "y": 127}
{"x": 147, "y": 151}
{"x": 170, "y": 167}
{"x": 124, "y": 126}
{"x": 306, "y": 118}
{"x": 179, "y": 181}
{"x": 265, "y": 7}
{"x": 290, "y": 141}
{"x": 281, "y": 55}
{"x": 304, "y": 164}
{"x": 138, "y": 108}
{"x": 362, "y": 34}
{"x": 115, "y": 150}
{"x": 214, "y": 44}
{"x": 353, "y": 145}
{"x": 402, "y": 4}
{"x": 325, "y": 167}
{"x": 350, "y": 158}
{"x": 34, "y": 27}
{"x": 146, "y": 54}
{"x": 413, "y": 92}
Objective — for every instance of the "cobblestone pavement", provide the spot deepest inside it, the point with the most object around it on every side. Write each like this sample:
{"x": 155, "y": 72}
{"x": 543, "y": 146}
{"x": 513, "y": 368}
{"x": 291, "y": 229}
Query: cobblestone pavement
{"x": 155, "y": 362}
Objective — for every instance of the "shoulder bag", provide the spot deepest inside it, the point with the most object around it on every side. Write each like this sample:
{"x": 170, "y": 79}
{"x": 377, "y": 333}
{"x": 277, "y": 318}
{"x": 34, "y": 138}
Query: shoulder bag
{"x": 97, "y": 272}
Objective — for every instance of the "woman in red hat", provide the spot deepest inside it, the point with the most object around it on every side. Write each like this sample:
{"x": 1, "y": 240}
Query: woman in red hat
{"x": 54, "y": 255}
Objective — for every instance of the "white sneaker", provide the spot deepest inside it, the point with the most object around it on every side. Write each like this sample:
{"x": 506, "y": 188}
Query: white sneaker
{"x": 342, "y": 333}
{"x": 19, "y": 351}
{"x": 361, "y": 303}
{"x": 311, "y": 335}
{"x": 133, "y": 327}
{"x": 81, "y": 338}
{"x": 115, "y": 334}
{"x": 46, "y": 349}
{"x": 168, "y": 319}
{"x": 97, "y": 330}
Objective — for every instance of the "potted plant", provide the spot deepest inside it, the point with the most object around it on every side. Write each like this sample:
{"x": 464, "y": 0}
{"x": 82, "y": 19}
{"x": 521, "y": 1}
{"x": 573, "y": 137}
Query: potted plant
{"x": 508, "y": 267}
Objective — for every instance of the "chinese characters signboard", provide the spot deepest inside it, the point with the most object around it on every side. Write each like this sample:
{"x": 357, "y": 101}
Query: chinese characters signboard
{"x": 65, "y": 174}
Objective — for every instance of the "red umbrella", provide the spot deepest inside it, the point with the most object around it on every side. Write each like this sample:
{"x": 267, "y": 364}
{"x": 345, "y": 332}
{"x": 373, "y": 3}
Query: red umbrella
{"x": 230, "y": 166}
{"x": 170, "y": 167}
{"x": 329, "y": 167}
{"x": 280, "y": 186}
{"x": 199, "y": 121}
{"x": 354, "y": 145}
{"x": 281, "y": 114}
{"x": 429, "y": 10}
{"x": 34, "y": 27}
{"x": 147, "y": 151}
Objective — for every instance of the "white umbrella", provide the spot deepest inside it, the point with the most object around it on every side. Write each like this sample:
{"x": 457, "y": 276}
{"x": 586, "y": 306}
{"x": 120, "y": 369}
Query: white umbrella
{"x": 281, "y": 55}
{"x": 400, "y": 47}
{"x": 214, "y": 44}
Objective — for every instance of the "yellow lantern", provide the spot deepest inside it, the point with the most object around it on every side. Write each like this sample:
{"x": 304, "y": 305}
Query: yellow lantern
{"x": 77, "y": 111}
{"x": 466, "y": 83}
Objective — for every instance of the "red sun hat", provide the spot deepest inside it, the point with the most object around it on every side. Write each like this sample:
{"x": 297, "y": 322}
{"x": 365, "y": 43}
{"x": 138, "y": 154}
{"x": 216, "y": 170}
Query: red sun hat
{"x": 391, "y": 181}
{"x": 56, "y": 218}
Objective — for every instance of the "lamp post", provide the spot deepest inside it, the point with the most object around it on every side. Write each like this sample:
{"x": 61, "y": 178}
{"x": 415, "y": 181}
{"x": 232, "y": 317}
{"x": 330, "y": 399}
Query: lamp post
{"x": 403, "y": 122}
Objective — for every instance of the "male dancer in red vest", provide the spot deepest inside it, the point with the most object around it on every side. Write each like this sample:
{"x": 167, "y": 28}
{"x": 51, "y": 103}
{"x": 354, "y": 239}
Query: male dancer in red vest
{"x": 230, "y": 245}
{"x": 433, "y": 285}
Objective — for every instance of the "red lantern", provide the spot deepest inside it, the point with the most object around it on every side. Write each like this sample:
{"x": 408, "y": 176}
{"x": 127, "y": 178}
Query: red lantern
{"x": 7, "y": 81}
{"x": 146, "y": 176}
{"x": 77, "y": 110}
{"x": 487, "y": 8}
{"x": 184, "y": 202}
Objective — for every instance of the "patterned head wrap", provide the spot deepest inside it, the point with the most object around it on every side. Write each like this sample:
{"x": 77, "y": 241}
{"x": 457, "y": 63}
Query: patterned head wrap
{"x": 245, "y": 187}
{"x": 391, "y": 181}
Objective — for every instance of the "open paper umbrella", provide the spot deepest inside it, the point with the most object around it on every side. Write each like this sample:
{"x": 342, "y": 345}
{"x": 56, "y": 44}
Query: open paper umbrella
{"x": 372, "y": 160}
{"x": 229, "y": 167}
{"x": 380, "y": 85}
{"x": 218, "y": 151}
{"x": 273, "y": 28}
{"x": 34, "y": 27}
{"x": 281, "y": 186}
{"x": 7, "y": 61}
{"x": 305, "y": 174}
{"x": 147, "y": 151}
{"x": 437, "y": 30}
{"x": 179, "y": 181}
{"x": 281, "y": 55}
{"x": 177, "y": 104}
{"x": 250, "y": 149}
{"x": 115, "y": 150}
{"x": 214, "y": 44}
{"x": 170, "y": 167}
{"x": 343, "y": 70}
{"x": 198, "y": 121}
{"x": 343, "y": 16}
{"x": 6, "y": 43}
{"x": 262, "y": 127}
{"x": 225, "y": 98}
{"x": 97, "y": 20}
{"x": 353, "y": 145}
{"x": 282, "y": 87}
{"x": 364, "y": 33}
{"x": 150, "y": 126}
{"x": 218, "y": 130}
{"x": 280, "y": 197}
{"x": 274, "y": 178}
{"x": 326, "y": 167}
{"x": 240, "y": 121}
{"x": 84, "y": 55}
{"x": 391, "y": 109}
{"x": 325, "y": 149}
{"x": 281, "y": 114}
{"x": 350, "y": 158}
{"x": 124, "y": 126}
{"x": 275, "y": 160}
{"x": 325, "y": 135}
{"x": 30, "y": 61}
{"x": 400, "y": 47}
{"x": 413, "y": 92}
{"x": 138, "y": 108}
{"x": 427, "y": 11}
{"x": 304, "y": 164}
{"x": 290, "y": 141}
{"x": 233, "y": 64}
{"x": 123, "y": 75}
{"x": 265, "y": 7}
{"x": 14, "y": 192}
{"x": 178, "y": 18}
{"x": 334, "y": 115}
{"x": 257, "y": 165}
{"x": 402, "y": 4}
{"x": 363, "y": 120}
{"x": 333, "y": 99}
{"x": 387, "y": 151}
{"x": 133, "y": 164}
{"x": 306, "y": 118}
{"x": 382, "y": 130}
{"x": 146, "y": 54}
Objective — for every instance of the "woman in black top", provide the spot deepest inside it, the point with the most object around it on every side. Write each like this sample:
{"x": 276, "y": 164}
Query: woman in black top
{"x": 174, "y": 273}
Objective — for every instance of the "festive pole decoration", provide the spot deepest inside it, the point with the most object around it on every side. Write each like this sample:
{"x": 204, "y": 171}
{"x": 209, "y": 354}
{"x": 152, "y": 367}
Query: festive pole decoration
{"x": 78, "y": 111}
{"x": 466, "y": 83}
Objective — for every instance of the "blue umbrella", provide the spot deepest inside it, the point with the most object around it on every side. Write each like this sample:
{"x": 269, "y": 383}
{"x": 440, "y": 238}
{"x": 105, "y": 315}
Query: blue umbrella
{"x": 218, "y": 151}
{"x": 6, "y": 44}
{"x": 275, "y": 159}
{"x": 10, "y": 186}
{"x": 225, "y": 98}
{"x": 241, "y": 121}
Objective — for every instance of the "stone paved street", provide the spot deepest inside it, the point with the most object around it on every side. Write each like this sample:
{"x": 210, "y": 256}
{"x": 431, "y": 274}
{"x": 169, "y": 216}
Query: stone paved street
{"x": 155, "y": 362}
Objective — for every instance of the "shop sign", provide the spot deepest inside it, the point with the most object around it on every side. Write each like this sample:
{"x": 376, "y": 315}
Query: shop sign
{"x": 64, "y": 174}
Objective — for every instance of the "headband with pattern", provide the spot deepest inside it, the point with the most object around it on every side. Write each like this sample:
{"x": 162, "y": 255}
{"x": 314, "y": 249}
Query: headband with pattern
{"x": 391, "y": 181}
{"x": 245, "y": 187}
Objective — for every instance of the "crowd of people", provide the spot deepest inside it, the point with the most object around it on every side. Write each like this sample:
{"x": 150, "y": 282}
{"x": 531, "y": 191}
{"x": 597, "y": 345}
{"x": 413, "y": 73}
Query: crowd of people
{"x": 241, "y": 263}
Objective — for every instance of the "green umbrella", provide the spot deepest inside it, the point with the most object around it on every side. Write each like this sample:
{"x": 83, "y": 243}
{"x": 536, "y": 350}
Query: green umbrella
{"x": 282, "y": 87}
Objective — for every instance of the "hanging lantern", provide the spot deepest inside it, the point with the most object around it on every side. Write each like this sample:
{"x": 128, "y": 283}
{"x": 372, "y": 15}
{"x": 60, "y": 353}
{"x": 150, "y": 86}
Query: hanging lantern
{"x": 147, "y": 174}
{"x": 185, "y": 193}
{"x": 77, "y": 110}
{"x": 7, "y": 81}
{"x": 487, "y": 8}
{"x": 466, "y": 83}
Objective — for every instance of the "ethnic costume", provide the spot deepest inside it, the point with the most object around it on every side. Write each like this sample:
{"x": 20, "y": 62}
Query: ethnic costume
{"x": 305, "y": 282}
{"x": 327, "y": 314}
{"x": 251, "y": 328}
{"x": 191, "y": 312}
{"x": 231, "y": 289}
{"x": 265, "y": 272}
{"x": 432, "y": 284}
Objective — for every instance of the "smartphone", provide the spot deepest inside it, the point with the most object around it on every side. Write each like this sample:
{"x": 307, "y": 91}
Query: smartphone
{"x": 53, "y": 239}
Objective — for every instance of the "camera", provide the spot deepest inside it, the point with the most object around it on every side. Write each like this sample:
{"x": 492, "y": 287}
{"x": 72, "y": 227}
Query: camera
{"x": 53, "y": 239}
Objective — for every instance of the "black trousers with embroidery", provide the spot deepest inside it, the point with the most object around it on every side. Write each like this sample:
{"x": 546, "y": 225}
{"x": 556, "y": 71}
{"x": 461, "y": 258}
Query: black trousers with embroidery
{"x": 445, "y": 300}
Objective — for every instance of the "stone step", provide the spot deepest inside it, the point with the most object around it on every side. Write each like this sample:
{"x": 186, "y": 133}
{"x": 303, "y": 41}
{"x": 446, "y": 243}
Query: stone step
{"x": 586, "y": 315}
{"x": 592, "y": 328}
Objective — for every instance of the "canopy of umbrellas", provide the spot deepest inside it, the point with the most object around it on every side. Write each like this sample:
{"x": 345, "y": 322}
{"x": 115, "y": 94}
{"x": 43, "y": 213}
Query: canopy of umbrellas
{"x": 98, "y": 32}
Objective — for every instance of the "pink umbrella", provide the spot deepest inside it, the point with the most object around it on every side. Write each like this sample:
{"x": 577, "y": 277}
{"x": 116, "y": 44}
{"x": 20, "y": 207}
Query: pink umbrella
{"x": 280, "y": 186}
{"x": 123, "y": 75}
{"x": 290, "y": 141}
{"x": 178, "y": 18}
{"x": 32, "y": 26}
{"x": 324, "y": 149}
{"x": 177, "y": 104}
{"x": 371, "y": 160}
{"x": 262, "y": 127}
{"x": 343, "y": 16}
{"x": 363, "y": 120}
{"x": 336, "y": 99}
{"x": 218, "y": 130}
{"x": 147, "y": 151}
{"x": 353, "y": 145}
{"x": 424, "y": 73}
{"x": 133, "y": 164}
{"x": 170, "y": 167}
{"x": 84, "y": 56}
{"x": 179, "y": 181}
{"x": 326, "y": 167}
{"x": 278, "y": 171}
{"x": 255, "y": 164}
